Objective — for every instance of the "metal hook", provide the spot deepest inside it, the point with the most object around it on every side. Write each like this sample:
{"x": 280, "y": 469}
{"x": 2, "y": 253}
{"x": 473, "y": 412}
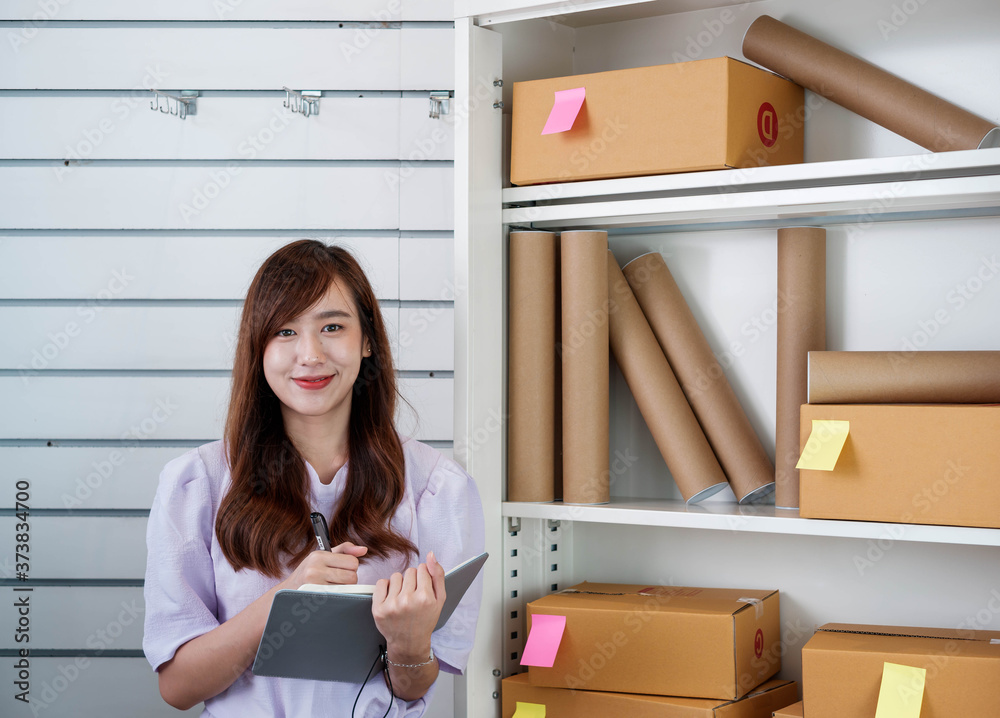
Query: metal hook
{"x": 440, "y": 104}
{"x": 306, "y": 102}
{"x": 177, "y": 105}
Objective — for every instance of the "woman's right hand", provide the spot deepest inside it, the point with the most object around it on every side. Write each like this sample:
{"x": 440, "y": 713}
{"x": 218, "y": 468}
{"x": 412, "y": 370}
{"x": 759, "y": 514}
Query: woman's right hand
{"x": 336, "y": 566}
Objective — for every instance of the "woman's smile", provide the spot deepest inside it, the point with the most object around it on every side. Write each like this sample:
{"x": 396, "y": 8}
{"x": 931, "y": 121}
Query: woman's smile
{"x": 313, "y": 382}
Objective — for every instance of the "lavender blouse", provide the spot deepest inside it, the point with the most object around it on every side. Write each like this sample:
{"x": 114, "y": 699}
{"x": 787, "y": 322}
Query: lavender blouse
{"x": 191, "y": 588}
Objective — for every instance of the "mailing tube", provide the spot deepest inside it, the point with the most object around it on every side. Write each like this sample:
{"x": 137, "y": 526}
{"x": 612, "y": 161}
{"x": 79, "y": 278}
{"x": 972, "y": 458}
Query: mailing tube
{"x": 661, "y": 401}
{"x": 705, "y": 385}
{"x": 801, "y": 329}
{"x": 532, "y": 388}
{"x": 867, "y": 90}
{"x": 585, "y": 367}
{"x": 904, "y": 377}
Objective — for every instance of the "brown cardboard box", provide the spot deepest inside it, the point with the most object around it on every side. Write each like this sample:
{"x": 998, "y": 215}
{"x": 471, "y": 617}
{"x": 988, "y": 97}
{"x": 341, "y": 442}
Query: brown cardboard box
{"x": 929, "y": 464}
{"x": 565, "y": 703}
{"x": 842, "y": 669}
{"x": 662, "y": 640}
{"x": 700, "y": 115}
{"x": 792, "y": 711}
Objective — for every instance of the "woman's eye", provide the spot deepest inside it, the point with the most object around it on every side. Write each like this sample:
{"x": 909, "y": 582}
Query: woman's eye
{"x": 332, "y": 327}
{"x": 285, "y": 333}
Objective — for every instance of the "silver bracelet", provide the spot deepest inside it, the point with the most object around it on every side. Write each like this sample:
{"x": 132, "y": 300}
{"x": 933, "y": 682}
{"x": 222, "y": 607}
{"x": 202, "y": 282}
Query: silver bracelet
{"x": 410, "y": 665}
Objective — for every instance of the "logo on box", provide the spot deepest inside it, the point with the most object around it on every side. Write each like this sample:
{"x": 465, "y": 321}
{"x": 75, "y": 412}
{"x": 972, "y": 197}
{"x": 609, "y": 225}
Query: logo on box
{"x": 767, "y": 124}
{"x": 758, "y": 643}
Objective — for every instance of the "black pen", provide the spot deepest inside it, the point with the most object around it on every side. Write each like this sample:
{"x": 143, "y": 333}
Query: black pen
{"x": 321, "y": 531}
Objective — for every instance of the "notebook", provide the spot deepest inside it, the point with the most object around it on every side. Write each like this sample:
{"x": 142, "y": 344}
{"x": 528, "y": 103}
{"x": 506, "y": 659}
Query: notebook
{"x": 327, "y": 633}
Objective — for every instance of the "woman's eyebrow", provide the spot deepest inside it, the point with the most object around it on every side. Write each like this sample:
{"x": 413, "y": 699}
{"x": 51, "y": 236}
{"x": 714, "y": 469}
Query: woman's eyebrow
{"x": 331, "y": 313}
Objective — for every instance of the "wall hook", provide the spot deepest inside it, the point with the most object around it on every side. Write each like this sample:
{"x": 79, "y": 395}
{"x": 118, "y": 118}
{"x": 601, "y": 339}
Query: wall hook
{"x": 440, "y": 104}
{"x": 178, "y": 105}
{"x": 306, "y": 103}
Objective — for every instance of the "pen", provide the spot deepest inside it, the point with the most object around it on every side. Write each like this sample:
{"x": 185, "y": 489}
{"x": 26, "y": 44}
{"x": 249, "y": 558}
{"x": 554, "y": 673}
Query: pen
{"x": 321, "y": 531}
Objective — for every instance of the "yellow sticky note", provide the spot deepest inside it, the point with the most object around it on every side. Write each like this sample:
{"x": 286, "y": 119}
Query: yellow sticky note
{"x": 529, "y": 710}
{"x": 825, "y": 443}
{"x": 902, "y": 691}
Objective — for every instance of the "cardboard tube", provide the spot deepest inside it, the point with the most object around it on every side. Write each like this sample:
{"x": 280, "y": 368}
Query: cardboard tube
{"x": 726, "y": 425}
{"x": 865, "y": 89}
{"x": 531, "y": 367}
{"x": 905, "y": 377}
{"x": 801, "y": 329}
{"x": 661, "y": 401}
{"x": 585, "y": 367}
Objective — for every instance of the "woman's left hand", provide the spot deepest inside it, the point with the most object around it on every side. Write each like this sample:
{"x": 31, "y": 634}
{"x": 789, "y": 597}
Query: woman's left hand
{"x": 406, "y": 608}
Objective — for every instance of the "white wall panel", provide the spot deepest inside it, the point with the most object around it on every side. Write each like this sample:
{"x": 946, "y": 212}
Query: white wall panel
{"x": 129, "y": 408}
{"x": 436, "y": 258}
{"x": 426, "y": 197}
{"x": 428, "y": 59}
{"x": 159, "y": 266}
{"x": 84, "y": 477}
{"x": 219, "y": 196}
{"x": 76, "y": 687}
{"x": 430, "y": 415}
{"x": 102, "y": 617}
{"x": 427, "y": 338}
{"x": 157, "y": 408}
{"x": 84, "y": 547}
{"x": 365, "y": 57}
{"x": 422, "y": 137}
{"x": 312, "y": 10}
{"x": 122, "y": 126}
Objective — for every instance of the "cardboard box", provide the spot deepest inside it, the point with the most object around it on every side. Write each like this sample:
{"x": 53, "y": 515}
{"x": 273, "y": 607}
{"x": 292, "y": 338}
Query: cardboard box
{"x": 842, "y": 669}
{"x": 792, "y": 711}
{"x": 566, "y": 703}
{"x": 662, "y": 640}
{"x": 931, "y": 464}
{"x": 701, "y": 115}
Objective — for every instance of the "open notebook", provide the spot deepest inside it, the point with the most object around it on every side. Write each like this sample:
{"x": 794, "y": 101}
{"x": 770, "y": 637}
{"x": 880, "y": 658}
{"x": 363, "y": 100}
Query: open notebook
{"x": 327, "y": 633}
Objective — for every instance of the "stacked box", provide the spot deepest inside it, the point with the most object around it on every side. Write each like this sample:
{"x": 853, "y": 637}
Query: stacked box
{"x": 843, "y": 665}
{"x": 662, "y": 640}
{"x": 566, "y": 703}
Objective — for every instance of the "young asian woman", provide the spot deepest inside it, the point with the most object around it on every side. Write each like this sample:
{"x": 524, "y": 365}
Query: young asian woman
{"x": 310, "y": 427}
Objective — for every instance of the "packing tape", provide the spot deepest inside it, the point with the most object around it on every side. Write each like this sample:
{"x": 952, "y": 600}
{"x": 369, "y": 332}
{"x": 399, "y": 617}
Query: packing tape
{"x": 757, "y": 604}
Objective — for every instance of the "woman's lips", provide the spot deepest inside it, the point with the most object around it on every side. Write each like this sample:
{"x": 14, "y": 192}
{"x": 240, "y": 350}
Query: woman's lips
{"x": 310, "y": 384}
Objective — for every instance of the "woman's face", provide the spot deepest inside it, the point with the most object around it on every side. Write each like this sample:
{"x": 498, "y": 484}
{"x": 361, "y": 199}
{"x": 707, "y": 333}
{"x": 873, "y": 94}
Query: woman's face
{"x": 312, "y": 361}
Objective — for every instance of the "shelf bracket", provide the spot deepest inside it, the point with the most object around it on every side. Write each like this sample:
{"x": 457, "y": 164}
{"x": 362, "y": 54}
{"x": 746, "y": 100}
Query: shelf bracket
{"x": 513, "y": 525}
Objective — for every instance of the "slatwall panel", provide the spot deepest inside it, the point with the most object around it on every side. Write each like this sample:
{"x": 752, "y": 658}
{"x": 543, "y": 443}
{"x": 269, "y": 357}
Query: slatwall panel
{"x": 359, "y": 57}
{"x": 312, "y": 10}
{"x": 119, "y": 126}
{"x": 128, "y": 239}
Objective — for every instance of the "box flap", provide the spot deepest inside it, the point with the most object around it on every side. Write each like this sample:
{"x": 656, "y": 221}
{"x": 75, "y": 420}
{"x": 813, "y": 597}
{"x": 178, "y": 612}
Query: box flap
{"x": 912, "y": 632}
{"x": 667, "y": 599}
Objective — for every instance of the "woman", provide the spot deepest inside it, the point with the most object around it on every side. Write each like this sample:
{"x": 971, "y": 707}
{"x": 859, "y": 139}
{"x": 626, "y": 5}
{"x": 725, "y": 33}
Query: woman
{"x": 309, "y": 428}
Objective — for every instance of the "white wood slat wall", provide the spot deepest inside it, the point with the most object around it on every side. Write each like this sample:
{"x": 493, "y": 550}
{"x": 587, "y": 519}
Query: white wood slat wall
{"x": 128, "y": 239}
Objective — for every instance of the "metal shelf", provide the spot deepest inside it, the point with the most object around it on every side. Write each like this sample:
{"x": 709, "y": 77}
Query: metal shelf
{"x": 736, "y": 518}
{"x": 947, "y": 184}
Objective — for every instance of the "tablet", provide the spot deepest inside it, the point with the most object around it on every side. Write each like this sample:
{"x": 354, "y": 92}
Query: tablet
{"x": 327, "y": 635}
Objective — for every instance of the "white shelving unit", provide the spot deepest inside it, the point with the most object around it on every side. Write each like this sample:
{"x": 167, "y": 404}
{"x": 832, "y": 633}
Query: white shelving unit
{"x": 911, "y": 243}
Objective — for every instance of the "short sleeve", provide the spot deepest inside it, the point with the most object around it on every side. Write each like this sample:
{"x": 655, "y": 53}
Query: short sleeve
{"x": 450, "y": 523}
{"x": 180, "y": 578}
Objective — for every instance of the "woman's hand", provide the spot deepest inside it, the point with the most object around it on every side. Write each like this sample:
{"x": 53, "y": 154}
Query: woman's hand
{"x": 406, "y": 607}
{"x": 339, "y": 565}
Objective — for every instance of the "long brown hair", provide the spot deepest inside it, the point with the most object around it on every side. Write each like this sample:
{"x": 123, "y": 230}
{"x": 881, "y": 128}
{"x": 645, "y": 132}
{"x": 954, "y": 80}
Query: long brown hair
{"x": 263, "y": 520}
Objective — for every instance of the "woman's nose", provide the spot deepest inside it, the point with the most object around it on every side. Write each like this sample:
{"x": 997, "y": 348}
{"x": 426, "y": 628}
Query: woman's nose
{"x": 310, "y": 350}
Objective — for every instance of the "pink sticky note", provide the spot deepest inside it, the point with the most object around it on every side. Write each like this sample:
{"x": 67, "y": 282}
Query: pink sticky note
{"x": 543, "y": 640}
{"x": 564, "y": 110}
